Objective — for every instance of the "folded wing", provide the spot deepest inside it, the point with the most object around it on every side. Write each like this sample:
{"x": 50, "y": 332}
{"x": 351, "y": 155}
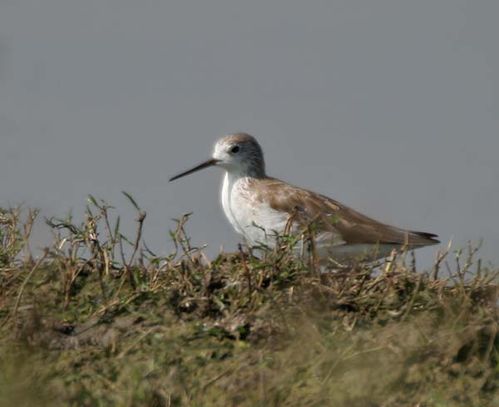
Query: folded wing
{"x": 306, "y": 207}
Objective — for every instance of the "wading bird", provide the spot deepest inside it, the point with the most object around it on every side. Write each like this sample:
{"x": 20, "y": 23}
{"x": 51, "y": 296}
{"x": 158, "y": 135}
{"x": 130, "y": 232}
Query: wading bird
{"x": 260, "y": 208}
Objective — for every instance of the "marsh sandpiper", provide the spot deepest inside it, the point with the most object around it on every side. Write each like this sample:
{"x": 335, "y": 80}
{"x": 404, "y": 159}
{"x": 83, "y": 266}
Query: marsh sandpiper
{"x": 261, "y": 208}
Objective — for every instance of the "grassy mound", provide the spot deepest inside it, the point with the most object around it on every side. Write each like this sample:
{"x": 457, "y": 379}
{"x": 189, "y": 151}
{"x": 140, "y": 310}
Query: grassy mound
{"x": 100, "y": 320}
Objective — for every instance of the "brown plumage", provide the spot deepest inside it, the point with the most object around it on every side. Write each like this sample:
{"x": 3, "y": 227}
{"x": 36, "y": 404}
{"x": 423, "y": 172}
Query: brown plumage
{"x": 330, "y": 215}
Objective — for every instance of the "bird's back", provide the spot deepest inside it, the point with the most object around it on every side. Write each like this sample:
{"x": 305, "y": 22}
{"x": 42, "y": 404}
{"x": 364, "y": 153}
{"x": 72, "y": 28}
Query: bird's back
{"x": 268, "y": 204}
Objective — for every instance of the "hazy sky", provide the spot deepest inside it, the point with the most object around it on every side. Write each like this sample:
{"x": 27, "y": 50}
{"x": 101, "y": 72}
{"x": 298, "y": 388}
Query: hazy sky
{"x": 390, "y": 106}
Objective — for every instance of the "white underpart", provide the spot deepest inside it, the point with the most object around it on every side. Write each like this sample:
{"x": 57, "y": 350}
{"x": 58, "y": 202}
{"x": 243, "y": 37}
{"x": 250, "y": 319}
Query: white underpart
{"x": 256, "y": 221}
{"x": 259, "y": 224}
{"x": 357, "y": 251}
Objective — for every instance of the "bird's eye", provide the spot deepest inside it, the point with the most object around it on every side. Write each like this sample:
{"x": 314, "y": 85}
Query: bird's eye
{"x": 234, "y": 149}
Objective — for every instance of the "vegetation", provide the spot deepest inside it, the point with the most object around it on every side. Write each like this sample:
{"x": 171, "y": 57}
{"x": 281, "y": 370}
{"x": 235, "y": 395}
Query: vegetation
{"x": 98, "y": 319}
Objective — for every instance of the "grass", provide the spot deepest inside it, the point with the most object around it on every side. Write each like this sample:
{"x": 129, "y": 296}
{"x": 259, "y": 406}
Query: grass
{"x": 100, "y": 320}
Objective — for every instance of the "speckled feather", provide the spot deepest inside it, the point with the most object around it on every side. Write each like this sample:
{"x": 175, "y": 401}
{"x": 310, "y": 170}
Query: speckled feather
{"x": 353, "y": 227}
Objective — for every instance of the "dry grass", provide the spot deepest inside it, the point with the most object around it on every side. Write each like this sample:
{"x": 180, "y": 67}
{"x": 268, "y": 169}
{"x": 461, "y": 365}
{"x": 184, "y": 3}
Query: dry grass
{"x": 100, "y": 320}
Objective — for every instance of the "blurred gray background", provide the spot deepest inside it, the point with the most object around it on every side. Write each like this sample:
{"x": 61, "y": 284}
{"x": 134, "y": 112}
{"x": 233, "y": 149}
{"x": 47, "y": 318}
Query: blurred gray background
{"x": 390, "y": 106}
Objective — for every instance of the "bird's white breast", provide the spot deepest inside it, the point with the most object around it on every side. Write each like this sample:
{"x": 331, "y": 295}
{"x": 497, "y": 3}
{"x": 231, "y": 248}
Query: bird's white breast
{"x": 259, "y": 223}
{"x": 252, "y": 218}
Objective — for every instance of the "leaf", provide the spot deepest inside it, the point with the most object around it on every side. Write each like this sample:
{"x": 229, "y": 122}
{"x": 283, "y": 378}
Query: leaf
{"x": 133, "y": 201}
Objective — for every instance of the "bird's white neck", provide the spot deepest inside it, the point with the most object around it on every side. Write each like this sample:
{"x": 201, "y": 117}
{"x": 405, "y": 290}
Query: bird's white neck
{"x": 249, "y": 170}
{"x": 230, "y": 178}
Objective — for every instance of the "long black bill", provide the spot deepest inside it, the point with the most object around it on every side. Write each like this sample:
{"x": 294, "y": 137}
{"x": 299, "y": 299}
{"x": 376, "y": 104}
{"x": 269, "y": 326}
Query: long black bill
{"x": 206, "y": 164}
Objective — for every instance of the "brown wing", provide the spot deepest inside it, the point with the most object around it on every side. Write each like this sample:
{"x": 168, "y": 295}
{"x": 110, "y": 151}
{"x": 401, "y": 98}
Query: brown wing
{"x": 306, "y": 207}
